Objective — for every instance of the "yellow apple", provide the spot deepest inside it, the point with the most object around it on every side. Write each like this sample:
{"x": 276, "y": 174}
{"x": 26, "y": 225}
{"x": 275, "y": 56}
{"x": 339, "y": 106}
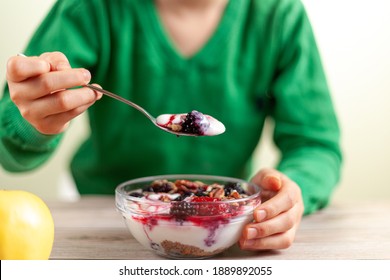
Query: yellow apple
{"x": 26, "y": 226}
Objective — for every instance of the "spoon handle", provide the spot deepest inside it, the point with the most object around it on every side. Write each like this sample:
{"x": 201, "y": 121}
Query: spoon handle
{"x": 117, "y": 97}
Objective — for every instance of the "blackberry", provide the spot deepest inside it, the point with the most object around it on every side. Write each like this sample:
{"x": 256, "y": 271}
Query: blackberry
{"x": 136, "y": 194}
{"x": 165, "y": 187}
{"x": 161, "y": 186}
{"x": 229, "y": 187}
{"x": 195, "y": 123}
{"x": 148, "y": 188}
{"x": 200, "y": 193}
{"x": 183, "y": 195}
{"x": 181, "y": 210}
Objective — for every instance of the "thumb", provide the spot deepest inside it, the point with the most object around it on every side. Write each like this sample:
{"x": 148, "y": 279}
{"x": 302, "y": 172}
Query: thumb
{"x": 268, "y": 179}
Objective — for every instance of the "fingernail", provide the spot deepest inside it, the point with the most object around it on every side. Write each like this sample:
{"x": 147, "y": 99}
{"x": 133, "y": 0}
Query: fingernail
{"x": 271, "y": 179}
{"x": 99, "y": 95}
{"x": 260, "y": 215}
{"x": 87, "y": 76}
{"x": 251, "y": 233}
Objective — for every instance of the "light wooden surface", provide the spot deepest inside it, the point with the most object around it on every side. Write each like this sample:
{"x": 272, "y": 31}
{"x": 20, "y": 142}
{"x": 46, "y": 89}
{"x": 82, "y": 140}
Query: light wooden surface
{"x": 91, "y": 228}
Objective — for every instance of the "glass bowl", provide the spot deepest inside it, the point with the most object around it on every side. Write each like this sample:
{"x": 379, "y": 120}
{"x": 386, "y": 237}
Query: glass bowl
{"x": 179, "y": 228}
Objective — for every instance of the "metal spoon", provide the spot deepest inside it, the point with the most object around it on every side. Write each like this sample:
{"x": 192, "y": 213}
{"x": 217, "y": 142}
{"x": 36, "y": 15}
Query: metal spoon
{"x": 217, "y": 128}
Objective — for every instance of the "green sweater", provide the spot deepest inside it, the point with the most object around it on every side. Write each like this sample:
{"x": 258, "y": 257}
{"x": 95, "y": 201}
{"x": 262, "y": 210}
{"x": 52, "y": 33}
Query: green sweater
{"x": 261, "y": 61}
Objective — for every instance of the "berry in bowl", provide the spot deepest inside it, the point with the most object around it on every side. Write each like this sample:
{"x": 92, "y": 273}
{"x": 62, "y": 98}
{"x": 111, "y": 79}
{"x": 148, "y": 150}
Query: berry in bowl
{"x": 187, "y": 216}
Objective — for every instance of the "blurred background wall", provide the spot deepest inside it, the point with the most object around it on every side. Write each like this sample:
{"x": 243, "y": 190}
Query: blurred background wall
{"x": 354, "y": 40}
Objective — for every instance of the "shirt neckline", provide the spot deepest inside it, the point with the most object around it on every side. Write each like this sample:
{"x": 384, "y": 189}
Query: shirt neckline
{"x": 211, "y": 50}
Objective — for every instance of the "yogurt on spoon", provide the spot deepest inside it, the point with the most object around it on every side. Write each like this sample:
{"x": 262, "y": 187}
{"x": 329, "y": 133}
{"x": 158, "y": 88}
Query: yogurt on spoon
{"x": 194, "y": 123}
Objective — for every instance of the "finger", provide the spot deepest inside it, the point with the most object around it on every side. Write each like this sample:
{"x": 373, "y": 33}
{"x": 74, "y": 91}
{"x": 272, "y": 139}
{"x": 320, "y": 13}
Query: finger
{"x": 55, "y": 124}
{"x": 99, "y": 94}
{"x": 285, "y": 199}
{"x": 268, "y": 179}
{"x": 50, "y": 82}
{"x": 57, "y": 60}
{"x": 63, "y": 101}
{"x": 279, "y": 224}
{"x": 20, "y": 68}
{"x": 273, "y": 242}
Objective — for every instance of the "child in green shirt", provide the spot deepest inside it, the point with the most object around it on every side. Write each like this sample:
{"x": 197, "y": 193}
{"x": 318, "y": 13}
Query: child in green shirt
{"x": 239, "y": 61}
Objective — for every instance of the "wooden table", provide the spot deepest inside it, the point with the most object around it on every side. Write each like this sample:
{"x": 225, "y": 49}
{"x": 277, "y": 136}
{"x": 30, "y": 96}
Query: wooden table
{"x": 91, "y": 228}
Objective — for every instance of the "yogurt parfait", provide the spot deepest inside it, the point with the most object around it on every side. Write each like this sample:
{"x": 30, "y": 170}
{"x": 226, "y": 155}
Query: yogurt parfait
{"x": 187, "y": 216}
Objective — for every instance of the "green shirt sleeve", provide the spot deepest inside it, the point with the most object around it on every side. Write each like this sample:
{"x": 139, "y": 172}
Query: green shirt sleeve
{"x": 66, "y": 27}
{"x": 306, "y": 128}
{"x": 22, "y": 147}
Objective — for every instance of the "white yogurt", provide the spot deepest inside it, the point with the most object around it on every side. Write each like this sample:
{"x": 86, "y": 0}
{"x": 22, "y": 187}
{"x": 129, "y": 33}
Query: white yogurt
{"x": 174, "y": 122}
